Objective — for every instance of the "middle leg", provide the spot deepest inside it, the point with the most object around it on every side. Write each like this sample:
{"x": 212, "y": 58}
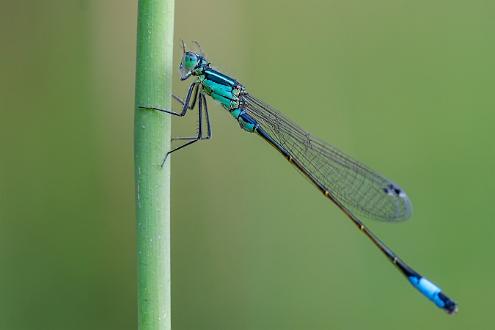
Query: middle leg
{"x": 199, "y": 136}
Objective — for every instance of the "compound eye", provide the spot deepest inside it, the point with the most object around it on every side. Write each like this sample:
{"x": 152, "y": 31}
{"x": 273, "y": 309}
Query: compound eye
{"x": 190, "y": 61}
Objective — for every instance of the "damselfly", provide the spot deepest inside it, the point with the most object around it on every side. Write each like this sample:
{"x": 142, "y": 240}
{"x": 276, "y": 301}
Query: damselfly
{"x": 350, "y": 185}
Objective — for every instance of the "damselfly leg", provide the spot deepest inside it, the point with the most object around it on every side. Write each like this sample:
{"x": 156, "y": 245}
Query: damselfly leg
{"x": 188, "y": 104}
{"x": 199, "y": 136}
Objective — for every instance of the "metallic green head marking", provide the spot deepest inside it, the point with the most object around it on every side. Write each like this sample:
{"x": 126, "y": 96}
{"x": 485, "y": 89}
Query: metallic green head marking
{"x": 190, "y": 61}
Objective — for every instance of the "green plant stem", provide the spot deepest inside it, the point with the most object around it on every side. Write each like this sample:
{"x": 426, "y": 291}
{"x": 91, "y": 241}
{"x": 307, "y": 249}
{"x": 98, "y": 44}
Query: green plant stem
{"x": 151, "y": 142}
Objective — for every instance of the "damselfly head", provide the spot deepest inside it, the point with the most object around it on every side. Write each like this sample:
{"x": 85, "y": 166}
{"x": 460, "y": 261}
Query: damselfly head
{"x": 190, "y": 61}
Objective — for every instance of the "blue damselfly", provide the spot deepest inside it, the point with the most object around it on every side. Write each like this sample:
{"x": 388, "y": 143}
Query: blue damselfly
{"x": 352, "y": 186}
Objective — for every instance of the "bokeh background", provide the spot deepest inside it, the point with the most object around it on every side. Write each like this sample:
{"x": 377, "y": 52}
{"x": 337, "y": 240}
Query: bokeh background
{"x": 404, "y": 86}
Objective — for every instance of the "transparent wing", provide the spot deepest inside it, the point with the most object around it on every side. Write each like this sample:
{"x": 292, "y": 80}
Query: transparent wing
{"x": 351, "y": 183}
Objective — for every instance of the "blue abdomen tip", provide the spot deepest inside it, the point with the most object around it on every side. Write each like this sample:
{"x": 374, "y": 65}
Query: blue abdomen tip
{"x": 434, "y": 293}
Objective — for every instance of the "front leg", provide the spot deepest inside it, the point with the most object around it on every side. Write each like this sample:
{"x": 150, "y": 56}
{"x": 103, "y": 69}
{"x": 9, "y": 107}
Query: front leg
{"x": 186, "y": 105}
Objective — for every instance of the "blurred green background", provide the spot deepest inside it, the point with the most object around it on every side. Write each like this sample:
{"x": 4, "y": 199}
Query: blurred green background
{"x": 404, "y": 86}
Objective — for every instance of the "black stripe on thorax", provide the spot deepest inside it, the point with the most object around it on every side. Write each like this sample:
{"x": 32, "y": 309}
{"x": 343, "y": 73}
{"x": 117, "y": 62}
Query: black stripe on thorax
{"x": 219, "y": 78}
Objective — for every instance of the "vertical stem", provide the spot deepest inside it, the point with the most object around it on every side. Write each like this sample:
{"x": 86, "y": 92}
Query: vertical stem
{"x": 151, "y": 142}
